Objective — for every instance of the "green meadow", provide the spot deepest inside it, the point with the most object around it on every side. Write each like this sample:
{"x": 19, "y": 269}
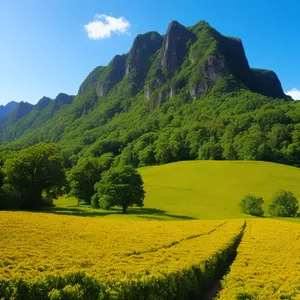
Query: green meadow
{"x": 213, "y": 189}
{"x": 199, "y": 190}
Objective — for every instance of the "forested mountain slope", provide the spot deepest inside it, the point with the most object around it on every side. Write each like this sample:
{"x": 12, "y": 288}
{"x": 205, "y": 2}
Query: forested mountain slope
{"x": 26, "y": 116}
{"x": 17, "y": 113}
{"x": 188, "y": 94}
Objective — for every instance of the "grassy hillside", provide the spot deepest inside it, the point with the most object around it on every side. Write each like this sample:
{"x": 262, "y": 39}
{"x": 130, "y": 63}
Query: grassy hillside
{"x": 199, "y": 190}
{"x": 213, "y": 189}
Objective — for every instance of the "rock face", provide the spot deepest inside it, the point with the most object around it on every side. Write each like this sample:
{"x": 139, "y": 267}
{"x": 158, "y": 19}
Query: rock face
{"x": 175, "y": 46}
{"x": 91, "y": 80}
{"x": 267, "y": 83}
{"x": 157, "y": 82}
{"x": 259, "y": 81}
{"x": 138, "y": 61}
{"x": 233, "y": 51}
{"x": 213, "y": 69}
{"x": 144, "y": 46}
{"x": 111, "y": 75}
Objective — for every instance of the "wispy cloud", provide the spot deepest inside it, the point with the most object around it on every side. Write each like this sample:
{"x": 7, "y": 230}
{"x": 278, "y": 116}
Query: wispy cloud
{"x": 103, "y": 26}
{"x": 294, "y": 93}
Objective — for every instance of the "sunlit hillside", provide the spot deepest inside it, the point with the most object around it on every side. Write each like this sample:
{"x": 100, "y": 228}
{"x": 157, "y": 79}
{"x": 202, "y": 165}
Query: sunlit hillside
{"x": 213, "y": 189}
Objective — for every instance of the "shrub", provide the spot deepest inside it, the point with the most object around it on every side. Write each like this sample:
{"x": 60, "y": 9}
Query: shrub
{"x": 252, "y": 205}
{"x": 284, "y": 204}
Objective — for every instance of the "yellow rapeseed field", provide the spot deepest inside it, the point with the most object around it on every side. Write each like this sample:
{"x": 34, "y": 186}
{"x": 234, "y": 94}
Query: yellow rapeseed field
{"x": 38, "y": 244}
{"x": 268, "y": 263}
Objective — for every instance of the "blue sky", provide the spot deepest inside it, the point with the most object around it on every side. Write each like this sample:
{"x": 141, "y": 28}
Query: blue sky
{"x": 46, "y": 47}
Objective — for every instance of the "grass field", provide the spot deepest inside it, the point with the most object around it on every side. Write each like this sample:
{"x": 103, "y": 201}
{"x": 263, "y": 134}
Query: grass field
{"x": 200, "y": 190}
{"x": 213, "y": 189}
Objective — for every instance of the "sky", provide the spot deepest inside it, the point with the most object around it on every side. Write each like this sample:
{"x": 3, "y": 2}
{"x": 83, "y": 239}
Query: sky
{"x": 50, "y": 46}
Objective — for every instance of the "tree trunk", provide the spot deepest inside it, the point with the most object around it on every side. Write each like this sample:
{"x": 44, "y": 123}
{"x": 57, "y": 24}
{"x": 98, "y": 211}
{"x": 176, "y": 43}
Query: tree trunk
{"x": 124, "y": 207}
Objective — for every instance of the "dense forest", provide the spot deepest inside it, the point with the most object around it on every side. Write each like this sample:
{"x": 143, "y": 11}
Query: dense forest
{"x": 187, "y": 95}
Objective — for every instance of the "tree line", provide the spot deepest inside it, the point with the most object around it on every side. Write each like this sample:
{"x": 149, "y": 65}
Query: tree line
{"x": 33, "y": 177}
{"x": 236, "y": 125}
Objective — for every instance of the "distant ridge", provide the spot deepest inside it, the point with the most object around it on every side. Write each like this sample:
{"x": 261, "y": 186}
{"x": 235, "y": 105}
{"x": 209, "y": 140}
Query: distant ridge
{"x": 6, "y": 109}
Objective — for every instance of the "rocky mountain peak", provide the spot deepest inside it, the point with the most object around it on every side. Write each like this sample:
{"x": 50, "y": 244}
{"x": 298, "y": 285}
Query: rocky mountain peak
{"x": 144, "y": 46}
{"x": 43, "y": 102}
{"x": 138, "y": 61}
{"x": 192, "y": 59}
{"x": 175, "y": 46}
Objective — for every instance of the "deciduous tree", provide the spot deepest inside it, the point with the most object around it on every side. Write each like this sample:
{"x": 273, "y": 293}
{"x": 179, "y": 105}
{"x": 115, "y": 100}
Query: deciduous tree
{"x": 36, "y": 173}
{"x": 121, "y": 186}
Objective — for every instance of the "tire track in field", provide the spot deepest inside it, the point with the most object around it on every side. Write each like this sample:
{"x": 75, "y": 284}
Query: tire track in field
{"x": 174, "y": 243}
{"x": 216, "y": 287}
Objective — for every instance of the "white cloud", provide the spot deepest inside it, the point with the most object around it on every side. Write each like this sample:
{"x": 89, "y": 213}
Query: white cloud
{"x": 103, "y": 26}
{"x": 294, "y": 93}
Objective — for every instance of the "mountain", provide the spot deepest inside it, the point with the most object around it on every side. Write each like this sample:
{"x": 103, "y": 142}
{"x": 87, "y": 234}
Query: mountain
{"x": 20, "y": 110}
{"x": 185, "y": 58}
{"x": 184, "y": 95}
{"x": 26, "y": 115}
{"x": 6, "y": 109}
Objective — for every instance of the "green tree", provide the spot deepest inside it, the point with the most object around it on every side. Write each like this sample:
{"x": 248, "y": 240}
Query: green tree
{"x": 251, "y": 205}
{"x": 86, "y": 174}
{"x": 146, "y": 156}
{"x": 163, "y": 153}
{"x": 120, "y": 186}
{"x": 3, "y": 199}
{"x": 210, "y": 150}
{"x": 128, "y": 156}
{"x": 278, "y": 135}
{"x": 284, "y": 204}
{"x": 251, "y": 145}
{"x": 292, "y": 153}
{"x": 35, "y": 174}
{"x": 194, "y": 140}
{"x": 227, "y": 143}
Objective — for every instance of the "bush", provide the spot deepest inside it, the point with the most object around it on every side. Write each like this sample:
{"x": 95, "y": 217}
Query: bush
{"x": 284, "y": 204}
{"x": 251, "y": 205}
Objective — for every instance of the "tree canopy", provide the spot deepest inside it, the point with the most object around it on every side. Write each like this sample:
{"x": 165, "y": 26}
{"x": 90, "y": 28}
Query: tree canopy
{"x": 121, "y": 186}
{"x": 284, "y": 204}
{"x": 252, "y": 205}
{"x": 35, "y": 175}
{"x": 86, "y": 174}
